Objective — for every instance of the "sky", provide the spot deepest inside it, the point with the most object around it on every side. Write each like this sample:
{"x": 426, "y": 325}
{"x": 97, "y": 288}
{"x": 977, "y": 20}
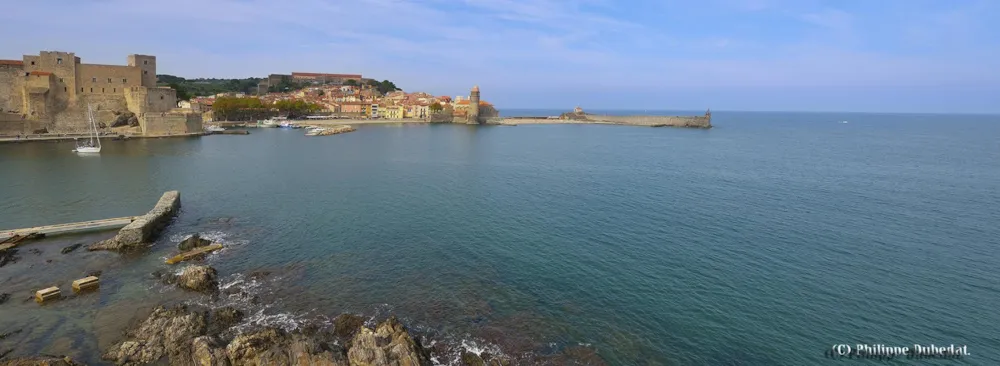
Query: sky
{"x": 937, "y": 56}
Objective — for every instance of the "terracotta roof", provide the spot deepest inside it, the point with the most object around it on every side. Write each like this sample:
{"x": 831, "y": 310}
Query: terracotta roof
{"x": 41, "y": 73}
{"x": 314, "y": 74}
{"x": 12, "y": 62}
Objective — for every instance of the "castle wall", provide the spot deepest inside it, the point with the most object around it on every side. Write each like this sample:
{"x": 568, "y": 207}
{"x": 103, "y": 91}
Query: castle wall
{"x": 39, "y": 102}
{"x": 106, "y": 79}
{"x": 11, "y": 89}
{"x": 12, "y": 124}
{"x": 160, "y": 124}
{"x": 63, "y": 66}
{"x": 74, "y": 119}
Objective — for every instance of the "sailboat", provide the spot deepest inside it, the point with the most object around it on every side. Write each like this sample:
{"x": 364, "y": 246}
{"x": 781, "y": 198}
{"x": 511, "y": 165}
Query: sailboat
{"x": 93, "y": 145}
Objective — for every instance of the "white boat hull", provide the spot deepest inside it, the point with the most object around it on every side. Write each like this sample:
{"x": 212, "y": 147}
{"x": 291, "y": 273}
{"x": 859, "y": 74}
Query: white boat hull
{"x": 86, "y": 149}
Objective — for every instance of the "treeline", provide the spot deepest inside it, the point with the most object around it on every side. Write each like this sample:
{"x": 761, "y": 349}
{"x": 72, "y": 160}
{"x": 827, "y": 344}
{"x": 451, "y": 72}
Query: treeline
{"x": 188, "y": 88}
{"x": 251, "y": 109}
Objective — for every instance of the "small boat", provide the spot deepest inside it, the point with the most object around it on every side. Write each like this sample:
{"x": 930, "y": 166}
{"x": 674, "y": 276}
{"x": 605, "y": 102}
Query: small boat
{"x": 92, "y": 145}
{"x": 214, "y": 129}
{"x": 843, "y": 121}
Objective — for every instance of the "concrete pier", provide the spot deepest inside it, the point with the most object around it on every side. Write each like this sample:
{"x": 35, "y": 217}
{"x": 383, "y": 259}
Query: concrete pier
{"x": 144, "y": 228}
{"x": 70, "y": 228}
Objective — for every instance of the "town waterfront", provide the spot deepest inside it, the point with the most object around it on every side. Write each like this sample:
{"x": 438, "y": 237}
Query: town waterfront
{"x": 762, "y": 241}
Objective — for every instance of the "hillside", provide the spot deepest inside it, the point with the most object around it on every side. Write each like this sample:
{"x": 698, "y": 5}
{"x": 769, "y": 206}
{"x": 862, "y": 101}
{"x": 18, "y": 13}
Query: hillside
{"x": 188, "y": 88}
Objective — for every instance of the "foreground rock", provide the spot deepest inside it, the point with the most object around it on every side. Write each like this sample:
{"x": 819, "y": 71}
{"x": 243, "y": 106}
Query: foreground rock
{"x": 276, "y": 347}
{"x": 198, "y": 278}
{"x": 71, "y": 248}
{"x": 166, "y": 332}
{"x": 195, "y": 241}
{"x": 42, "y": 361}
{"x": 388, "y": 344}
{"x": 145, "y": 228}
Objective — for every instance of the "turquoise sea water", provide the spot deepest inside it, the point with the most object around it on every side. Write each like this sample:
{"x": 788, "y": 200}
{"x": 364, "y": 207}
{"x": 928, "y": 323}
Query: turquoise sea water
{"x": 763, "y": 241}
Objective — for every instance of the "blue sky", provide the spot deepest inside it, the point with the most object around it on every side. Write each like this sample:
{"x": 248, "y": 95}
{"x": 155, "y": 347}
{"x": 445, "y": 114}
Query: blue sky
{"x": 808, "y": 55}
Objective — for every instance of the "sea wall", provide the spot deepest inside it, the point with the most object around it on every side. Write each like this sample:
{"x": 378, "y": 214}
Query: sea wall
{"x": 146, "y": 227}
{"x": 672, "y": 121}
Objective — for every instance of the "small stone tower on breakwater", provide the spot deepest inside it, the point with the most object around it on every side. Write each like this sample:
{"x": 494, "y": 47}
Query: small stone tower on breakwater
{"x": 473, "y": 116}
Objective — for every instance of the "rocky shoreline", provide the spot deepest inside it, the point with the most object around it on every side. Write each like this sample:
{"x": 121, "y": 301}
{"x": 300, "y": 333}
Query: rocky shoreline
{"x": 184, "y": 334}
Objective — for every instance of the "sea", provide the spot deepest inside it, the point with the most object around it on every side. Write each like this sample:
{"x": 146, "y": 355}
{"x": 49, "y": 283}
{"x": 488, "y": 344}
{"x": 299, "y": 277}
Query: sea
{"x": 767, "y": 240}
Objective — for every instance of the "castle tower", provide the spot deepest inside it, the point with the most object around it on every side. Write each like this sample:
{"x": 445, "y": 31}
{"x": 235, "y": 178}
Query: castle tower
{"x": 148, "y": 66}
{"x": 474, "y": 106}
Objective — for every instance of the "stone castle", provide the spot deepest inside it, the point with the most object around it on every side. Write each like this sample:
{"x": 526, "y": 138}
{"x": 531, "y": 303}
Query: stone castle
{"x": 51, "y": 92}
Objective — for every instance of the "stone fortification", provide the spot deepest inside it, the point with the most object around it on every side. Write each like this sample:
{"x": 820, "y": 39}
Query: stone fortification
{"x": 144, "y": 228}
{"x": 579, "y": 116}
{"x": 52, "y": 91}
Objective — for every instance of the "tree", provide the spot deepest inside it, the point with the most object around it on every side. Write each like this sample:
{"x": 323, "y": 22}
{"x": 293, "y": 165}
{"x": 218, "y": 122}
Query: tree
{"x": 351, "y": 82}
{"x": 436, "y": 107}
{"x": 385, "y": 86}
{"x": 182, "y": 93}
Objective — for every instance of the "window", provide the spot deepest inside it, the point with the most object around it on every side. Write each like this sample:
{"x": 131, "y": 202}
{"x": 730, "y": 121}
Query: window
{"x": 59, "y": 60}
{"x": 60, "y": 80}
{"x": 32, "y": 63}
{"x": 124, "y": 81}
{"x": 114, "y": 90}
{"x": 145, "y": 62}
{"x": 161, "y": 97}
{"x": 144, "y": 72}
{"x": 65, "y": 89}
{"x": 109, "y": 80}
{"x": 93, "y": 80}
{"x": 102, "y": 90}
{"x": 81, "y": 90}
{"x": 91, "y": 90}
{"x": 27, "y": 73}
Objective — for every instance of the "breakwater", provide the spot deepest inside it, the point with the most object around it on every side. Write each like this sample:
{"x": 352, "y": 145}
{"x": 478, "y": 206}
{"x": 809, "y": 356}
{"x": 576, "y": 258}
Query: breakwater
{"x": 142, "y": 229}
{"x": 578, "y": 116}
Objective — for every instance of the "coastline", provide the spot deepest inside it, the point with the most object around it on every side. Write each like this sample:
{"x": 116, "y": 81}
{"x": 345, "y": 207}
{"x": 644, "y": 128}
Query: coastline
{"x": 71, "y": 137}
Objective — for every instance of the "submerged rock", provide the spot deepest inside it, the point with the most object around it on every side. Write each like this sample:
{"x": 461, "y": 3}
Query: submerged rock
{"x": 388, "y": 344}
{"x": 198, "y": 278}
{"x": 166, "y": 332}
{"x": 194, "y": 241}
{"x": 42, "y": 361}
{"x": 4, "y": 297}
{"x": 8, "y": 256}
{"x": 71, "y": 248}
{"x": 224, "y": 318}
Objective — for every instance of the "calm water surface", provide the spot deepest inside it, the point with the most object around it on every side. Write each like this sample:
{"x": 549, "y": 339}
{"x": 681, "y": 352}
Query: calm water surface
{"x": 763, "y": 241}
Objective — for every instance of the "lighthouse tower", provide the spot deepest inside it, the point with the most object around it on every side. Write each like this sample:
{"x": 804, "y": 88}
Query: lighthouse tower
{"x": 473, "y": 106}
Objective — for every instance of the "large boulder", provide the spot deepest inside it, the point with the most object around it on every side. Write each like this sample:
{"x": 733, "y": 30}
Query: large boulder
{"x": 276, "y": 347}
{"x": 208, "y": 351}
{"x": 224, "y": 318}
{"x": 198, "y": 278}
{"x": 166, "y": 332}
{"x": 388, "y": 344}
{"x": 192, "y": 242}
{"x": 345, "y": 326}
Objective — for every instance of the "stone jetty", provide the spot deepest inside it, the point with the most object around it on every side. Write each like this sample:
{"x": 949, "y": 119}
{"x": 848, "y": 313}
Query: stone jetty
{"x": 578, "y": 116}
{"x": 144, "y": 228}
{"x": 336, "y": 130}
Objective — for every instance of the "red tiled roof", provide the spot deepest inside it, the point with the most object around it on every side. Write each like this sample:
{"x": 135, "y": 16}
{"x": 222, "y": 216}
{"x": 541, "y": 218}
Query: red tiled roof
{"x": 41, "y": 73}
{"x": 12, "y": 62}
{"x": 314, "y": 74}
